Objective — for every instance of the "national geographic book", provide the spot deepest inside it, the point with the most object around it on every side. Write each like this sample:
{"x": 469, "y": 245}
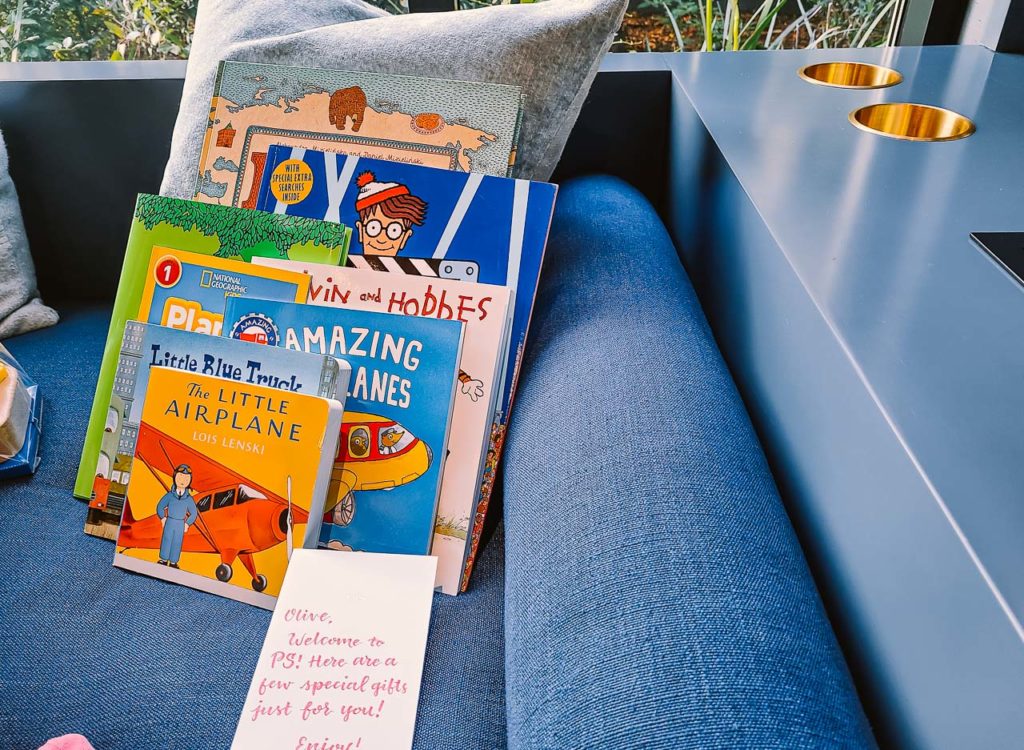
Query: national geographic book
{"x": 394, "y": 440}
{"x": 485, "y": 310}
{"x": 228, "y": 478}
{"x": 459, "y": 125}
{"x": 221, "y": 232}
{"x": 145, "y": 346}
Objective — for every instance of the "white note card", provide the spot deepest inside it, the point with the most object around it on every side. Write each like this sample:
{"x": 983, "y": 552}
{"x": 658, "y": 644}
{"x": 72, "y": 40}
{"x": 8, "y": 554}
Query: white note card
{"x": 343, "y": 658}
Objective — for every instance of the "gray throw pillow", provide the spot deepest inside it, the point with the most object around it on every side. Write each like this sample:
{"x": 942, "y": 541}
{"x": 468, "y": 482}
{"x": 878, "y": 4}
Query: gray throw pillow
{"x": 21, "y": 310}
{"x": 551, "y": 49}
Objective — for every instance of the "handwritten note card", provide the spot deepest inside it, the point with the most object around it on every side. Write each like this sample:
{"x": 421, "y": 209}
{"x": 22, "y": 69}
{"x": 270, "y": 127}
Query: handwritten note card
{"x": 343, "y": 658}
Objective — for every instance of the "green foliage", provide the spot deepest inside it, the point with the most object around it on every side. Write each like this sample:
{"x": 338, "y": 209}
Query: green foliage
{"x": 238, "y": 230}
{"x": 96, "y": 29}
{"x": 775, "y": 24}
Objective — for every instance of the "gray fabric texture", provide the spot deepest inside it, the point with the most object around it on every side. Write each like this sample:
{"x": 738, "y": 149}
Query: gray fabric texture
{"x": 21, "y": 309}
{"x": 551, "y": 49}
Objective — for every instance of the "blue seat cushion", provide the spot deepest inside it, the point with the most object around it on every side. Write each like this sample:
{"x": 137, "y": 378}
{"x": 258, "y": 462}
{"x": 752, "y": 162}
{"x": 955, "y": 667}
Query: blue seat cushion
{"x": 137, "y": 663}
{"x": 656, "y": 595}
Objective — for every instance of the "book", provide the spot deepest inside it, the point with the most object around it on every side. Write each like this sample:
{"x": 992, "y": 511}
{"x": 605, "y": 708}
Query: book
{"x": 460, "y": 125}
{"x": 145, "y": 346}
{"x": 228, "y": 478}
{"x": 394, "y": 439}
{"x": 365, "y": 662}
{"x": 484, "y": 309}
{"x": 204, "y": 230}
{"x": 184, "y": 290}
{"x": 471, "y": 227}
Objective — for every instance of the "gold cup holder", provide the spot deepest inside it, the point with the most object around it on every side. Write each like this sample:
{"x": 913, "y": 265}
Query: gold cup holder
{"x": 850, "y": 75}
{"x": 912, "y": 122}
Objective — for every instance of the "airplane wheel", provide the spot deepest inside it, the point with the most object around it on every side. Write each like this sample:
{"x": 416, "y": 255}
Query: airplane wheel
{"x": 224, "y": 572}
{"x": 259, "y": 583}
{"x": 344, "y": 510}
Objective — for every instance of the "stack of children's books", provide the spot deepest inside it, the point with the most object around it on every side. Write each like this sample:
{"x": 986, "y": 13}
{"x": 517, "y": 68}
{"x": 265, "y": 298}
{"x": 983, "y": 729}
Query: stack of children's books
{"x": 321, "y": 348}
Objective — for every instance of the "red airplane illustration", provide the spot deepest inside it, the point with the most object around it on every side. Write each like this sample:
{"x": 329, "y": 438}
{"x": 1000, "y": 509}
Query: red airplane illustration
{"x": 237, "y": 517}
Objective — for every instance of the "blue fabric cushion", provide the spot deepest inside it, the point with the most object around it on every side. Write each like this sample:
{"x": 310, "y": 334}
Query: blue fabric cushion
{"x": 133, "y": 662}
{"x": 656, "y": 596}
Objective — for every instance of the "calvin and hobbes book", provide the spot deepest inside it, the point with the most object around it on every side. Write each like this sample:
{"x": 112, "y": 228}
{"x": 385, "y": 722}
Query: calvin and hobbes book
{"x": 228, "y": 478}
{"x": 145, "y": 346}
{"x": 394, "y": 439}
{"x": 221, "y": 232}
{"x": 461, "y": 125}
{"x": 484, "y": 309}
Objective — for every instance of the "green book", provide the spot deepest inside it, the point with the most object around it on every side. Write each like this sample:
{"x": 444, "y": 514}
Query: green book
{"x": 231, "y": 237}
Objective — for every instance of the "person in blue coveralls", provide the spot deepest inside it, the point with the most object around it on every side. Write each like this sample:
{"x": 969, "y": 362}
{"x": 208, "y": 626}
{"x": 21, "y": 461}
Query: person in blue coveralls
{"x": 176, "y": 511}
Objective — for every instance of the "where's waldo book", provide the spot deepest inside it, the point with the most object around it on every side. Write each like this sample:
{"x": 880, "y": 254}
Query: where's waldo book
{"x": 222, "y": 232}
{"x": 425, "y": 222}
{"x": 484, "y": 309}
{"x": 229, "y": 477}
{"x": 146, "y": 346}
{"x": 394, "y": 439}
{"x": 460, "y": 125}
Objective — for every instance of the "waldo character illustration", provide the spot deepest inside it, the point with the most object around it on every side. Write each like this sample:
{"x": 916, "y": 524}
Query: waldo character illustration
{"x": 387, "y": 214}
{"x": 176, "y": 511}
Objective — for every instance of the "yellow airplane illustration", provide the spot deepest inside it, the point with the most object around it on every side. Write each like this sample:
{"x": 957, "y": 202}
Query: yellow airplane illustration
{"x": 374, "y": 453}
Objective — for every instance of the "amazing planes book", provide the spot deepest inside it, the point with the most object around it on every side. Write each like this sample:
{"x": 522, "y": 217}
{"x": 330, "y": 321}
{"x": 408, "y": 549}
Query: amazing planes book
{"x": 460, "y": 125}
{"x": 485, "y": 311}
{"x": 219, "y": 232}
{"x": 145, "y": 346}
{"x": 394, "y": 439}
{"x": 228, "y": 478}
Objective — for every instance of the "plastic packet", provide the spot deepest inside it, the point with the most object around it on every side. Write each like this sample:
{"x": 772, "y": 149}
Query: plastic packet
{"x": 21, "y": 418}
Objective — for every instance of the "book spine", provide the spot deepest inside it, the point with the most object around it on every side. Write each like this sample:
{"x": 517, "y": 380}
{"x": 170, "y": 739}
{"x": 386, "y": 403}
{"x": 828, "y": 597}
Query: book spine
{"x": 209, "y": 134}
{"x": 265, "y": 200}
{"x": 126, "y": 306}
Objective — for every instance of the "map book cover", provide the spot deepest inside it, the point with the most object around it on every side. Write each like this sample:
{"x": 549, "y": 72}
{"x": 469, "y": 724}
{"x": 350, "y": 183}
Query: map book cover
{"x": 228, "y": 478}
{"x": 394, "y": 440}
{"x": 458, "y": 125}
{"x": 426, "y": 222}
{"x": 220, "y": 231}
{"x": 145, "y": 346}
{"x": 484, "y": 310}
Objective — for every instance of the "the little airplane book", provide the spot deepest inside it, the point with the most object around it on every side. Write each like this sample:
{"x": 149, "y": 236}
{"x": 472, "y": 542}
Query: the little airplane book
{"x": 202, "y": 232}
{"x": 485, "y": 311}
{"x": 394, "y": 440}
{"x": 145, "y": 346}
{"x": 228, "y": 478}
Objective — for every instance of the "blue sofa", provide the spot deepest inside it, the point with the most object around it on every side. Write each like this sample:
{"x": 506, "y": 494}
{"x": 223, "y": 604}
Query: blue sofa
{"x": 645, "y": 590}
{"x": 642, "y": 589}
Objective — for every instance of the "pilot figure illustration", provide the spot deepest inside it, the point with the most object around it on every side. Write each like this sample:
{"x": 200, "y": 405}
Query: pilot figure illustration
{"x": 387, "y": 214}
{"x": 389, "y": 439}
{"x": 176, "y": 511}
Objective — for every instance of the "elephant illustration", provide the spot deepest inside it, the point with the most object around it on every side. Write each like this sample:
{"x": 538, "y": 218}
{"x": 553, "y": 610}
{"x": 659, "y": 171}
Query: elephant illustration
{"x": 345, "y": 103}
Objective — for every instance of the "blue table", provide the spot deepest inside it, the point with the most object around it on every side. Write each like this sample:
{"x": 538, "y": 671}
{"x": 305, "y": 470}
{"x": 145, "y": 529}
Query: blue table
{"x": 879, "y": 351}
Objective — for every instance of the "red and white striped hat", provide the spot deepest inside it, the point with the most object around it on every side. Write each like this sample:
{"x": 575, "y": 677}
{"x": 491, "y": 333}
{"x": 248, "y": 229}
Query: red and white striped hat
{"x": 372, "y": 192}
